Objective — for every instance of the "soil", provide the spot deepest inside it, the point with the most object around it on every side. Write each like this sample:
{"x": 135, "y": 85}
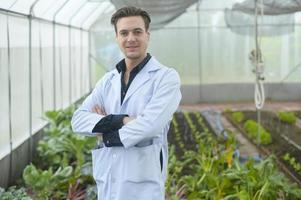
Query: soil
{"x": 185, "y": 135}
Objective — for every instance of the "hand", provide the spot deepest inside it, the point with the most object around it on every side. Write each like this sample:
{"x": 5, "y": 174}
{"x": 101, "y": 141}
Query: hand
{"x": 127, "y": 120}
{"x": 99, "y": 110}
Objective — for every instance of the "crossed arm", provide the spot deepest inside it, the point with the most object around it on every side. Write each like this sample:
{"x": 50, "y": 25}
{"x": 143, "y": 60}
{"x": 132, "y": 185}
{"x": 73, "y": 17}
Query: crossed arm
{"x": 147, "y": 125}
{"x": 99, "y": 110}
{"x": 107, "y": 128}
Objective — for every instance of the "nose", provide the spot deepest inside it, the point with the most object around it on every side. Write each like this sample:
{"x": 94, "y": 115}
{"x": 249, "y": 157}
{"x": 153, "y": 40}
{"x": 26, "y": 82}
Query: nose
{"x": 131, "y": 37}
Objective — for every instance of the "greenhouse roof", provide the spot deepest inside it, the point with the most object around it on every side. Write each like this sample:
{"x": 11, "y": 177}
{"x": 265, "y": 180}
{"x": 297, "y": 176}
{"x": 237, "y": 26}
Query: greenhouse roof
{"x": 84, "y": 13}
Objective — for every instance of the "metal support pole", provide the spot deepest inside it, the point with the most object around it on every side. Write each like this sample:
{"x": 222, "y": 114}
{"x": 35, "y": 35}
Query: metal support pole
{"x": 70, "y": 67}
{"x": 61, "y": 74}
{"x": 89, "y": 60}
{"x": 9, "y": 100}
{"x": 70, "y": 46}
{"x": 89, "y": 47}
{"x": 81, "y": 63}
{"x": 199, "y": 43}
{"x": 54, "y": 53}
{"x": 30, "y": 80}
{"x": 30, "y": 87}
{"x": 41, "y": 70}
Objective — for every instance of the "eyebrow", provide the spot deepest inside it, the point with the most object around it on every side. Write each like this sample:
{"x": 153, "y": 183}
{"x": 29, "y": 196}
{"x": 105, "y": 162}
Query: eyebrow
{"x": 135, "y": 29}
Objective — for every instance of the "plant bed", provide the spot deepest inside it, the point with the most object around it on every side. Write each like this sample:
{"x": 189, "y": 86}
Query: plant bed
{"x": 62, "y": 168}
{"x": 208, "y": 170}
{"x": 298, "y": 113}
{"x": 180, "y": 134}
{"x": 200, "y": 167}
{"x": 286, "y": 137}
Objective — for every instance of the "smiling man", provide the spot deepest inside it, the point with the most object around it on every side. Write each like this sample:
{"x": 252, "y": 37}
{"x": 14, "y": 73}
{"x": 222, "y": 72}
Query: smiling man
{"x": 130, "y": 109}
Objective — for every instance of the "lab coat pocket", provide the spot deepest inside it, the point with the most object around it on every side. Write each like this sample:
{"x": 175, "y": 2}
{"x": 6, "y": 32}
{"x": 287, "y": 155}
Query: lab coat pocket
{"x": 99, "y": 164}
{"x": 143, "y": 164}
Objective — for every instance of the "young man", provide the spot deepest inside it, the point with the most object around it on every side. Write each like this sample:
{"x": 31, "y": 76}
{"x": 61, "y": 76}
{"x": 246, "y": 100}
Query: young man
{"x": 131, "y": 108}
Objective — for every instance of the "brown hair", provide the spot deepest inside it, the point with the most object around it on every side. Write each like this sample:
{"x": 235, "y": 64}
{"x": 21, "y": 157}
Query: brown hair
{"x": 129, "y": 11}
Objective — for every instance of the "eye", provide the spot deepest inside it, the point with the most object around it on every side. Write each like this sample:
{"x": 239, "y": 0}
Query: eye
{"x": 137, "y": 32}
{"x": 123, "y": 33}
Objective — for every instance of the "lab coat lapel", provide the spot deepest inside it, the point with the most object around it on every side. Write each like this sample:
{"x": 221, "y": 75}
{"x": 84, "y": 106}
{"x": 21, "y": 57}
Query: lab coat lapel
{"x": 116, "y": 85}
{"x": 141, "y": 78}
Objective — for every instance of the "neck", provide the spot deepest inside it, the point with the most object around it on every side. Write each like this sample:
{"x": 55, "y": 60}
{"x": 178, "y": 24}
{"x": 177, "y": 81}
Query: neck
{"x": 132, "y": 63}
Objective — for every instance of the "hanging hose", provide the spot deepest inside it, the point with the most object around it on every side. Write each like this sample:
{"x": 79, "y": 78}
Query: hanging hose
{"x": 257, "y": 61}
{"x": 259, "y": 95}
{"x": 256, "y": 58}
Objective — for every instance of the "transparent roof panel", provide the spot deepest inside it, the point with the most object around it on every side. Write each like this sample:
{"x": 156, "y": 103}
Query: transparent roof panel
{"x": 187, "y": 19}
{"x": 42, "y": 7}
{"x": 104, "y": 10}
{"x": 49, "y": 9}
{"x": 21, "y": 6}
{"x": 71, "y": 9}
{"x": 7, "y": 4}
{"x": 85, "y": 12}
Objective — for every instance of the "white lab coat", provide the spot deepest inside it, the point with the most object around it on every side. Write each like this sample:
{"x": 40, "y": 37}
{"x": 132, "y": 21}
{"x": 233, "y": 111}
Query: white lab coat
{"x": 133, "y": 172}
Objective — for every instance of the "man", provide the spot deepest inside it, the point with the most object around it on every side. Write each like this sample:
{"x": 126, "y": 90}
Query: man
{"x": 131, "y": 108}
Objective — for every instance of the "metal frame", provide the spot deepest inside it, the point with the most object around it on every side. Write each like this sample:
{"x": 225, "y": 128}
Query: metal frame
{"x": 70, "y": 65}
{"x": 9, "y": 98}
{"x": 54, "y": 52}
{"x": 9, "y": 13}
{"x": 89, "y": 47}
{"x": 81, "y": 53}
{"x": 16, "y": 14}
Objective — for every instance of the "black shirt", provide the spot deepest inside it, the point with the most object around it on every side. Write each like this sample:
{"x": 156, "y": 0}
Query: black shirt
{"x": 121, "y": 67}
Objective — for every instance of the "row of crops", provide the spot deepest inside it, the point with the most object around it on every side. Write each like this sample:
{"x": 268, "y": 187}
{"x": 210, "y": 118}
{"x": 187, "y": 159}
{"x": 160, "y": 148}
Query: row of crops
{"x": 278, "y": 134}
{"x": 201, "y": 166}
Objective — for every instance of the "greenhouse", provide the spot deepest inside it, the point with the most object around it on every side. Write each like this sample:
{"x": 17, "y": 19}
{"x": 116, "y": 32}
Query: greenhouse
{"x": 205, "y": 103}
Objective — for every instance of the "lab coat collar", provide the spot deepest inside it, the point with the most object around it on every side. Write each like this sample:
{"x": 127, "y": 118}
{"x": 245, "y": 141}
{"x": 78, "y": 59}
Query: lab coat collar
{"x": 141, "y": 78}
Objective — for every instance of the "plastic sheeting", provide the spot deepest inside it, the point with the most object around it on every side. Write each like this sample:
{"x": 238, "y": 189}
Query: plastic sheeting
{"x": 275, "y": 17}
{"x": 243, "y": 23}
{"x": 78, "y": 13}
{"x": 162, "y": 12}
{"x": 270, "y": 7}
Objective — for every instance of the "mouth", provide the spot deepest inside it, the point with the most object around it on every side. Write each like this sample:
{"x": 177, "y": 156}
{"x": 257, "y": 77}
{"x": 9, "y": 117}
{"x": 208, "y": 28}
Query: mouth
{"x": 131, "y": 48}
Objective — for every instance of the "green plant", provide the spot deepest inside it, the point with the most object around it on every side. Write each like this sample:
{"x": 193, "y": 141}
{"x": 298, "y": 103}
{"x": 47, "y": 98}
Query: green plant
{"x": 238, "y": 116}
{"x": 13, "y": 193}
{"x": 292, "y": 162}
{"x": 46, "y": 183}
{"x": 288, "y": 117}
{"x": 60, "y": 148}
{"x": 228, "y": 110}
{"x": 253, "y": 129}
{"x": 91, "y": 192}
{"x": 212, "y": 173}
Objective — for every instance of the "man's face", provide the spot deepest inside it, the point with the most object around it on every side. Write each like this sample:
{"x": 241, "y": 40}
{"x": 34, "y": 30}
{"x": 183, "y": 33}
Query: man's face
{"x": 132, "y": 37}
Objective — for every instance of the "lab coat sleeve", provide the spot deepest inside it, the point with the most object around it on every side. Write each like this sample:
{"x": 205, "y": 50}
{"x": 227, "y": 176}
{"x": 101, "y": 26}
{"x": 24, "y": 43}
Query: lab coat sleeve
{"x": 83, "y": 120}
{"x": 157, "y": 113}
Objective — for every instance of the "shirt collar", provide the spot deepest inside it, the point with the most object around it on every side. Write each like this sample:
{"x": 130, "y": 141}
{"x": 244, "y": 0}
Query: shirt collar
{"x": 121, "y": 65}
